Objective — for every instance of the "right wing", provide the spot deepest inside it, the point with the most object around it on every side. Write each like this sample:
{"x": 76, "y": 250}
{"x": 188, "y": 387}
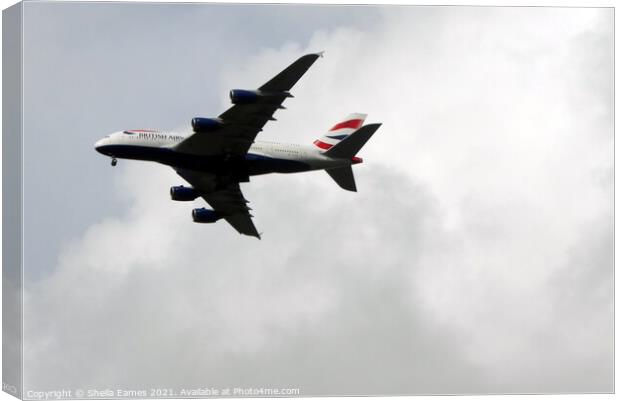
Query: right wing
{"x": 242, "y": 122}
{"x": 225, "y": 198}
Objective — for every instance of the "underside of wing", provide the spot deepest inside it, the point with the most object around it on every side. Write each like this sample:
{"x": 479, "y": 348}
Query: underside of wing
{"x": 285, "y": 80}
{"x": 233, "y": 207}
{"x": 234, "y": 131}
{"x": 225, "y": 198}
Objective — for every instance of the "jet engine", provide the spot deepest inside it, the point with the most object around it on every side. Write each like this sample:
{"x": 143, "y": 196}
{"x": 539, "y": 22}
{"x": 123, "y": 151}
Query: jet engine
{"x": 201, "y": 124}
{"x": 243, "y": 96}
{"x": 183, "y": 194}
{"x": 204, "y": 215}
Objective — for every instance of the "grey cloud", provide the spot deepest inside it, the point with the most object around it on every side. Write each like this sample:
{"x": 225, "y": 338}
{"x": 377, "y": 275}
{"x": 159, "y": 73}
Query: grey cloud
{"x": 331, "y": 320}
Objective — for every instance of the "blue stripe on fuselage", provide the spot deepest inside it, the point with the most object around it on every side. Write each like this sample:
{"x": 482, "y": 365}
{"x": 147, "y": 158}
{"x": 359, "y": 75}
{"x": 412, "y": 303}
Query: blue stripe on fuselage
{"x": 254, "y": 164}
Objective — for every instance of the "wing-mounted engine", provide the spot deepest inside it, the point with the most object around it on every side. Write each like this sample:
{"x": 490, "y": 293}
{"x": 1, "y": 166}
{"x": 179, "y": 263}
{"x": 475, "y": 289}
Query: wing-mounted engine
{"x": 201, "y": 124}
{"x": 243, "y": 96}
{"x": 204, "y": 215}
{"x": 183, "y": 194}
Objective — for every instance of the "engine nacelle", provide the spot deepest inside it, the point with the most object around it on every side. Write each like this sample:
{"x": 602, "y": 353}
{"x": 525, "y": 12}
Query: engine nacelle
{"x": 204, "y": 215}
{"x": 201, "y": 124}
{"x": 183, "y": 194}
{"x": 243, "y": 96}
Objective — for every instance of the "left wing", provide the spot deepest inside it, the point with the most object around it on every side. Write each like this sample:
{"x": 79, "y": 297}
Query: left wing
{"x": 242, "y": 122}
{"x": 225, "y": 198}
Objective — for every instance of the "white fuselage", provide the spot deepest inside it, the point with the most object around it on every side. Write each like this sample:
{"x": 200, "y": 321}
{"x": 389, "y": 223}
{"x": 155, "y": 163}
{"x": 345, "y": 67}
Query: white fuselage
{"x": 262, "y": 156}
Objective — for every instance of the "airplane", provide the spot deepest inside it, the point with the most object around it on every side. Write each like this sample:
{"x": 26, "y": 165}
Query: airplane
{"x": 221, "y": 152}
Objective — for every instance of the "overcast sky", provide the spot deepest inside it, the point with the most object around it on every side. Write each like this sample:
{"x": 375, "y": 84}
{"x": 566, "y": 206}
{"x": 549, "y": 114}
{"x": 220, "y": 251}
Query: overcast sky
{"x": 476, "y": 256}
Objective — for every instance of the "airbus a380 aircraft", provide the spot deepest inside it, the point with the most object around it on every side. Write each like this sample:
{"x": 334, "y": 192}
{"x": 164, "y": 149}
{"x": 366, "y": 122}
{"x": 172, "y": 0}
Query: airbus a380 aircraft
{"x": 221, "y": 152}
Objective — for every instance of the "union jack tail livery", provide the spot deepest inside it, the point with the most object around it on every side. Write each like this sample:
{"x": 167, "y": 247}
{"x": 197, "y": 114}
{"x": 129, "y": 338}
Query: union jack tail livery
{"x": 340, "y": 131}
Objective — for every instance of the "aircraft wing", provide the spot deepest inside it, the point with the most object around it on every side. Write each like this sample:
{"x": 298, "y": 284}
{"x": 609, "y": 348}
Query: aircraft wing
{"x": 225, "y": 198}
{"x": 242, "y": 122}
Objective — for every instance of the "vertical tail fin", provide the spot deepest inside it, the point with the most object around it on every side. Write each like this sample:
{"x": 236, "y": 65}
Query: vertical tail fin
{"x": 340, "y": 131}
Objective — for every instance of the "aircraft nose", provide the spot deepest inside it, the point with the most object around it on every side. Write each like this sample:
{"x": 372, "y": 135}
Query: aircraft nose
{"x": 99, "y": 144}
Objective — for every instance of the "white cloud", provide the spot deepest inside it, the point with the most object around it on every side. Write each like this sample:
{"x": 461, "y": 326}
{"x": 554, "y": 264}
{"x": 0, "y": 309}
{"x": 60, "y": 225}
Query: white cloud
{"x": 475, "y": 258}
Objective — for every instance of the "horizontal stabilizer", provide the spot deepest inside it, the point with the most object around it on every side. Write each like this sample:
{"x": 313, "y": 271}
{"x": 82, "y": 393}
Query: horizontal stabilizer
{"x": 343, "y": 177}
{"x": 350, "y": 145}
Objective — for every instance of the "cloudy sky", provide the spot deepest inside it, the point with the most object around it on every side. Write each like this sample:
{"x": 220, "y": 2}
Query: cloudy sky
{"x": 475, "y": 258}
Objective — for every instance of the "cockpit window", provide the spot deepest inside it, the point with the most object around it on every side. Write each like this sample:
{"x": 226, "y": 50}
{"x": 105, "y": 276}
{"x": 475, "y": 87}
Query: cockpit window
{"x": 128, "y": 132}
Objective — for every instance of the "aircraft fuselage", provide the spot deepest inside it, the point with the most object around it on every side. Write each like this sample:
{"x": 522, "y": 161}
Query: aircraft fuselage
{"x": 262, "y": 157}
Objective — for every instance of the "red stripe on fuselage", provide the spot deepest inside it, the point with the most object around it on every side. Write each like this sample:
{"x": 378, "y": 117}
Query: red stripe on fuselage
{"x": 322, "y": 144}
{"x": 348, "y": 124}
